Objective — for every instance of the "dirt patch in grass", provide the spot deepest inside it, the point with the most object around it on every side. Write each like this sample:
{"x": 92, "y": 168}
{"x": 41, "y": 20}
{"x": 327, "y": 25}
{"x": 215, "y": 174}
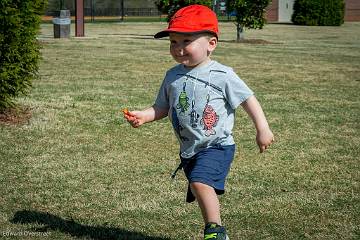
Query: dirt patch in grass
{"x": 15, "y": 116}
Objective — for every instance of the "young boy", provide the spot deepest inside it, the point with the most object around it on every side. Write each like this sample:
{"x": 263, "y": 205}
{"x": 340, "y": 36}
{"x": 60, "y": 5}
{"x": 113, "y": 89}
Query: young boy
{"x": 200, "y": 97}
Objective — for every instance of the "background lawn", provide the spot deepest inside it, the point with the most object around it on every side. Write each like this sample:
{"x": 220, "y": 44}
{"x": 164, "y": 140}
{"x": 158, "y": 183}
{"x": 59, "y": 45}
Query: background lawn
{"x": 78, "y": 170}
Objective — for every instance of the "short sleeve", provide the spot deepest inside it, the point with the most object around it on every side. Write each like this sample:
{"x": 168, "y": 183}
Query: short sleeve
{"x": 236, "y": 90}
{"x": 162, "y": 99}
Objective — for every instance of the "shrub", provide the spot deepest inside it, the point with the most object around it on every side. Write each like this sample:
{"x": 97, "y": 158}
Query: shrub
{"x": 19, "y": 49}
{"x": 318, "y": 12}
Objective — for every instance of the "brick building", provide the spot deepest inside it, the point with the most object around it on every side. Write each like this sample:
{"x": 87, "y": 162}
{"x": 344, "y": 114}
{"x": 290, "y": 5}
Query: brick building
{"x": 281, "y": 10}
{"x": 352, "y": 10}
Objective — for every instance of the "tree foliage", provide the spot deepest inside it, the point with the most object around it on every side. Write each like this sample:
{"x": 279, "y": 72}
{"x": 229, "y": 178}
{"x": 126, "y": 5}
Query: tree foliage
{"x": 19, "y": 49}
{"x": 169, "y": 7}
{"x": 318, "y": 12}
{"x": 249, "y": 14}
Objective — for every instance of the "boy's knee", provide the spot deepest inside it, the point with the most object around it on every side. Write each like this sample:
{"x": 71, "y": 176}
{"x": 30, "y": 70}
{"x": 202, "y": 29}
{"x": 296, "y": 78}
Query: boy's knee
{"x": 198, "y": 186}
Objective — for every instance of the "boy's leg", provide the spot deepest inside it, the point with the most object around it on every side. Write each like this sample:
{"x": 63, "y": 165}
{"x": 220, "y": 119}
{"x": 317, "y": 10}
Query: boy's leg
{"x": 208, "y": 202}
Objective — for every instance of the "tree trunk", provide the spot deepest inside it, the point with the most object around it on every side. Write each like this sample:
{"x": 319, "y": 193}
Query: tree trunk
{"x": 239, "y": 32}
{"x": 62, "y": 5}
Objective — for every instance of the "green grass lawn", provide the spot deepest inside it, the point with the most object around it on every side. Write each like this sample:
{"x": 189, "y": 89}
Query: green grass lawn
{"x": 78, "y": 170}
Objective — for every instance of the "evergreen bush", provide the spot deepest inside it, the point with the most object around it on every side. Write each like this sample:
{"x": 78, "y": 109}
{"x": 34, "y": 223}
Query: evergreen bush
{"x": 318, "y": 12}
{"x": 19, "y": 49}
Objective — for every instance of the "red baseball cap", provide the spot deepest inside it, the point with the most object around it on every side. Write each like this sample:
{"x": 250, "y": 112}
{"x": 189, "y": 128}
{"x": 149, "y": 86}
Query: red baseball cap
{"x": 192, "y": 19}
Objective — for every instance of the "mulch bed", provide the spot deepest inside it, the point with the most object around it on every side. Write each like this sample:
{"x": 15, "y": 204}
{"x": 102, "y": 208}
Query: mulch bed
{"x": 15, "y": 116}
{"x": 249, "y": 41}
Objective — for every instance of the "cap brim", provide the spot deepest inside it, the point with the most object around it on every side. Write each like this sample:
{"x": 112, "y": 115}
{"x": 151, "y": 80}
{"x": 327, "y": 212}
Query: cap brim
{"x": 162, "y": 34}
{"x": 166, "y": 32}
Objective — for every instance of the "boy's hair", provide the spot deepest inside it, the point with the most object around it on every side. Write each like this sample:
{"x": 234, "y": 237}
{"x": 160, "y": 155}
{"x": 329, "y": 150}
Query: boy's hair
{"x": 206, "y": 34}
{"x": 192, "y": 19}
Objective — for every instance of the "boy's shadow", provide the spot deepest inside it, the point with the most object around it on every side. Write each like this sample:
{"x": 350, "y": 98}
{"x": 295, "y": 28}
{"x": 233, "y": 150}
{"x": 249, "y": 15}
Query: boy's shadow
{"x": 55, "y": 223}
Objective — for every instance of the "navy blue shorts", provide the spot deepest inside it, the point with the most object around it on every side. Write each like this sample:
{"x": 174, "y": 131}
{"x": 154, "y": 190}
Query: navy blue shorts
{"x": 209, "y": 166}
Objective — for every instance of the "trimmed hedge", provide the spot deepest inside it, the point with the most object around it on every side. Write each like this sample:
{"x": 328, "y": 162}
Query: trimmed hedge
{"x": 318, "y": 12}
{"x": 19, "y": 49}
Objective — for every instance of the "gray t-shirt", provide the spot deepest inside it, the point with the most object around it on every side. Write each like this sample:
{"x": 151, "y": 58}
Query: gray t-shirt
{"x": 201, "y": 103}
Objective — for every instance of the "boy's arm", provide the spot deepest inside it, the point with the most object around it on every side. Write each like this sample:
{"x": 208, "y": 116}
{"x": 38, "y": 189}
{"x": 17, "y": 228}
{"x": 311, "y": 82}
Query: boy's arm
{"x": 264, "y": 136}
{"x": 138, "y": 118}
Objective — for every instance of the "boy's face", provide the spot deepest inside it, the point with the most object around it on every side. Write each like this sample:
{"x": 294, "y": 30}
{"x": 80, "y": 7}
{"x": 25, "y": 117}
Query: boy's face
{"x": 191, "y": 50}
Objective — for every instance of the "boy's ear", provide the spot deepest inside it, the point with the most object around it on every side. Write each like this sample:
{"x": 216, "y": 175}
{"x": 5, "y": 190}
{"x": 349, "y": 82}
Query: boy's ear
{"x": 212, "y": 44}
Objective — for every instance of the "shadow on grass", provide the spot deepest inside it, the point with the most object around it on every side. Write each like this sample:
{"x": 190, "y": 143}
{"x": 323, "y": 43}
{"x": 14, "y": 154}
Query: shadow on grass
{"x": 249, "y": 41}
{"x": 129, "y": 34}
{"x": 55, "y": 223}
{"x": 135, "y": 36}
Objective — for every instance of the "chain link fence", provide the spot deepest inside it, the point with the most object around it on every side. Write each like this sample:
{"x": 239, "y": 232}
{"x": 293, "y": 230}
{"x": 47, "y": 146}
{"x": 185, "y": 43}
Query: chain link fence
{"x": 106, "y": 9}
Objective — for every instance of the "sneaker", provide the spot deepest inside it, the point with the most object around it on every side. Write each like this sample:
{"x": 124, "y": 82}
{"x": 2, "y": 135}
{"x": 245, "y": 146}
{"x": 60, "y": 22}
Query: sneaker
{"x": 214, "y": 231}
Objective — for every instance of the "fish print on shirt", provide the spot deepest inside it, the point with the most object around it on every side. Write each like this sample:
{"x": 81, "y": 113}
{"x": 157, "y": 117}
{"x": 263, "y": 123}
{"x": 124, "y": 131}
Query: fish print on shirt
{"x": 209, "y": 119}
{"x": 177, "y": 126}
{"x": 183, "y": 104}
{"x": 194, "y": 116}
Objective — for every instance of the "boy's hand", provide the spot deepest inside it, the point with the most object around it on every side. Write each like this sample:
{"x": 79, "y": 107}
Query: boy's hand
{"x": 138, "y": 118}
{"x": 135, "y": 118}
{"x": 264, "y": 138}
